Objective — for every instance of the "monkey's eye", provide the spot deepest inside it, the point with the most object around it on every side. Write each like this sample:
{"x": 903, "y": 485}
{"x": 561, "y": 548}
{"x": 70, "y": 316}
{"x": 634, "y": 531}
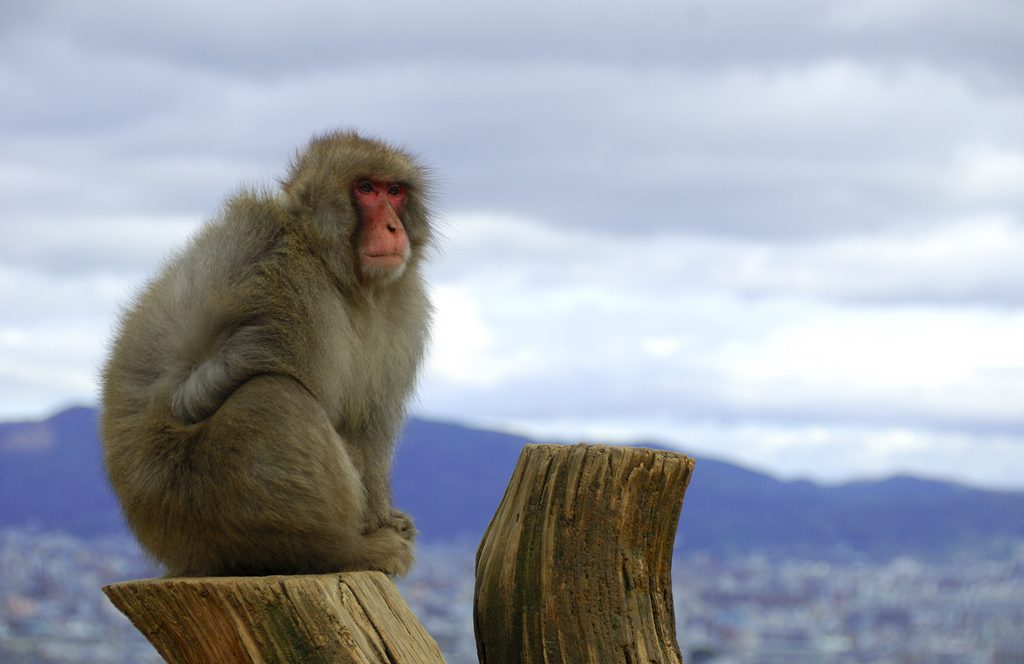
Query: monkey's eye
{"x": 365, "y": 186}
{"x": 394, "y": 190}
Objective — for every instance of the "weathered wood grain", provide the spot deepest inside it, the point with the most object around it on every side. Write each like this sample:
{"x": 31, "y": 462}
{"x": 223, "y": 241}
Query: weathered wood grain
{"x": 354, "y": 617}
{"x": 576, "y": 565}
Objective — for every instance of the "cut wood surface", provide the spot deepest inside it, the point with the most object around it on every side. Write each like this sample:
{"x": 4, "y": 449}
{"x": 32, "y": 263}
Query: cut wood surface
{"x": 357, "y": 617}
{"x": 576, "y": 565}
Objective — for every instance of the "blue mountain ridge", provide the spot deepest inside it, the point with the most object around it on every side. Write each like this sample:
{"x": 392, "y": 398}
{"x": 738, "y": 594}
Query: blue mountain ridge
{"x": 452, "y": 477}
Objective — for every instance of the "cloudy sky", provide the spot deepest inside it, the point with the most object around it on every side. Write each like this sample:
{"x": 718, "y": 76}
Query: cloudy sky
{"x": 789, "y": 234}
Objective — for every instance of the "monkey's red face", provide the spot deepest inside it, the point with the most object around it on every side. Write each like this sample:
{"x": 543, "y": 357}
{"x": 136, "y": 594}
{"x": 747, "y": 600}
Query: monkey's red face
{"x": 383, "y": 244}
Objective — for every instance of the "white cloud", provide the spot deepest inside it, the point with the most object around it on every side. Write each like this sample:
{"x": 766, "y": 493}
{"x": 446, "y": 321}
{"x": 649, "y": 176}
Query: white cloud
{"x": 715, "y": 357}
{"x": 969, "y": 260}
{"x": 633, "y": 336}
{"x": 81, "y": 245}
{"x": 466, "y": 352}
{"x": 973, "y": 260}
{"x": 824, "y": 453}
{"x": 50, "y": 364}
{"x": 789, "y": 232}
{"x": 991, "y": 174}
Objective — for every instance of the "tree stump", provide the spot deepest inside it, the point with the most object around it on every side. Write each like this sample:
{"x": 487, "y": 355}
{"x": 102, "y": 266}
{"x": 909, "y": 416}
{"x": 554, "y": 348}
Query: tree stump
{"x": 356, "y": 617}
{"x": 576, "y": 565}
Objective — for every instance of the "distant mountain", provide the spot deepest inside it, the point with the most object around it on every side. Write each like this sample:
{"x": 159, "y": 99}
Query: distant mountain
{"x": 51, "y": 475}
{"x": 451, "y": 479}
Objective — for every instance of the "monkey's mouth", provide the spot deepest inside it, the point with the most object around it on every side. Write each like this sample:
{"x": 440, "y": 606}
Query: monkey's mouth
{"x": 383, "y": 261}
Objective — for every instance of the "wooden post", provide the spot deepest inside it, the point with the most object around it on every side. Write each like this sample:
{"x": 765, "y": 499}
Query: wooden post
{"x": 356, "y": 617}
{"x": 576, "y": 565}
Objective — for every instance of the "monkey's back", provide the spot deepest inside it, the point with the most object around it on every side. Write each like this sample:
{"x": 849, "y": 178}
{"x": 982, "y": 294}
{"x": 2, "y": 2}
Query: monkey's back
{"x": 174, "y": 324}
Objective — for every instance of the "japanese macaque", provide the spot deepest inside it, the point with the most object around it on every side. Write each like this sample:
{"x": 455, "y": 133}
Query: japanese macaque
{"x": 256, "y": 386}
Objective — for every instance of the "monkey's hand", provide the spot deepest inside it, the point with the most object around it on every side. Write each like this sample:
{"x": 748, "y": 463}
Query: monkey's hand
{"x": 395, "y": 520}
{"x": 402, "y": 522}
{"x": 213, "y": 380}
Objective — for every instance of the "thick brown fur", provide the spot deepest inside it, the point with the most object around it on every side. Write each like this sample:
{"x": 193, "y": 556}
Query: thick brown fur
{"x": 256, "y": 386}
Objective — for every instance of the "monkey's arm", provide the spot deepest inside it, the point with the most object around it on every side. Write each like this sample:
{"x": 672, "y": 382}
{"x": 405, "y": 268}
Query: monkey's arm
{"x": 245, "y": 353}
{"x": 372, "y": 452}
{"x": 260, "y": 326}
{"x": 373, "y": 462}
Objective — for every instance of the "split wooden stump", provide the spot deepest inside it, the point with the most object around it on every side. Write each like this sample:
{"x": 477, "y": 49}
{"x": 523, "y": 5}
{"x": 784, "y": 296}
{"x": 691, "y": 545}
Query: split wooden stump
{"x": 576, "y": 565}
{"x": 352, "y": 617}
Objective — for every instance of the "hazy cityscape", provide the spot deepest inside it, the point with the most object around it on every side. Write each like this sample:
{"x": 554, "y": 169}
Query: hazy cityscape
{"x": 745, "y": 610}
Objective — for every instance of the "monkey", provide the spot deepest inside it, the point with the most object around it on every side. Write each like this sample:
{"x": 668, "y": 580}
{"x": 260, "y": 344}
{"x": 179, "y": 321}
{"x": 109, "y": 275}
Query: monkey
{"x": 254, "y": 388}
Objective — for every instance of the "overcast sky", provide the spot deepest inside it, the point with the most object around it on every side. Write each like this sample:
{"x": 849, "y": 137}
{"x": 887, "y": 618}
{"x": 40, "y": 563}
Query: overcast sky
{"x": 789, "y": 234}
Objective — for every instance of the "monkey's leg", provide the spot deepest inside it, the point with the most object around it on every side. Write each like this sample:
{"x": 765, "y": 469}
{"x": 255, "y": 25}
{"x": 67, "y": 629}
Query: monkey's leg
{"x": 279, "y": 492}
